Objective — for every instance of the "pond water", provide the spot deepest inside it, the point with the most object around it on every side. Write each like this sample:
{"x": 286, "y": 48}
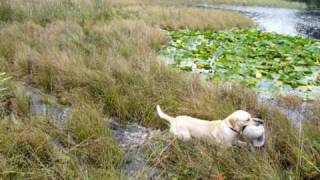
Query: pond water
{"x": 280, "y": 20}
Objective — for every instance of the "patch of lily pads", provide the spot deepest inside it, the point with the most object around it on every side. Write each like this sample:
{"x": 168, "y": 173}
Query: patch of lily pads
{"x": 271, "y": 63}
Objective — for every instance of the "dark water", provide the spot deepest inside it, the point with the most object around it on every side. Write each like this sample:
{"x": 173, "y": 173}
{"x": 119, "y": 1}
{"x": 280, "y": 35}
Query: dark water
{"x": 279, "y": 20}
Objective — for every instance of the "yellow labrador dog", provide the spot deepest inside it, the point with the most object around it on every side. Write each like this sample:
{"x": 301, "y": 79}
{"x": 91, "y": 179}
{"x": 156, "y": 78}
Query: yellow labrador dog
{"x": 226, "y": 132}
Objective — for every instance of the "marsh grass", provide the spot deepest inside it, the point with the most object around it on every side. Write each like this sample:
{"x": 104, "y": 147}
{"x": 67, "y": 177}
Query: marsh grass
{"x": 281, "y": 158}
{"x": 37, "y": 149}
{"x": 22, "y": 100}
{"x": 104, "y": 62}
{"x": 184, "y": 18}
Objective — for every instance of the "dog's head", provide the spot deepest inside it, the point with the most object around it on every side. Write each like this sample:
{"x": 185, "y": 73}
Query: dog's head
{"x": 242, "y": 122}
{"x": 240, "y": 119}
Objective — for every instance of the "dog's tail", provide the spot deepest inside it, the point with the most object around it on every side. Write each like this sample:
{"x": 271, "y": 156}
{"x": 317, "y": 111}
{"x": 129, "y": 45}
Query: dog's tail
{"x": 164, "y": 116}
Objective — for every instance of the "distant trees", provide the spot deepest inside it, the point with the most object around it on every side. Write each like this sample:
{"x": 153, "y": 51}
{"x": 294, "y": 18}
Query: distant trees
{"x": 310, "y": 3}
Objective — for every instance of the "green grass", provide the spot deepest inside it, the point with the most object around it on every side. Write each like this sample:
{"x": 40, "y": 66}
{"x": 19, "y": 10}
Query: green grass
{"x": 105, "y": 62}
{"x": 9, "y": 14}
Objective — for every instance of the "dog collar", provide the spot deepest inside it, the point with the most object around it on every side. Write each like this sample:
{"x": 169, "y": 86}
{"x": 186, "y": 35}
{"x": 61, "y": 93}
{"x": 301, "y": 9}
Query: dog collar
{"x": 234, "y": 130}
{"x": 238, "y": 131}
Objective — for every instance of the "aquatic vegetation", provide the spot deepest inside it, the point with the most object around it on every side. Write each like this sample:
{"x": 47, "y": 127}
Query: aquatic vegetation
{"x": 270, "y": 62}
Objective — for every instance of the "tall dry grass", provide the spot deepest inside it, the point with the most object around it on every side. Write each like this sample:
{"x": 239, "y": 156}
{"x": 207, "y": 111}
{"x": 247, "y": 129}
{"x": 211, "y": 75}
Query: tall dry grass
{"x": 35, "y": 148}
{"x": 192, "y": 18}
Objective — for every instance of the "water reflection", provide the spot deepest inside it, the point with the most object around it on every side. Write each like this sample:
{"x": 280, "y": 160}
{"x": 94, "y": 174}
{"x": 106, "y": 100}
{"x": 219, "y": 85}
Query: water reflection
{"x": 309, "y": 24}
{"x": 280, "y": 20}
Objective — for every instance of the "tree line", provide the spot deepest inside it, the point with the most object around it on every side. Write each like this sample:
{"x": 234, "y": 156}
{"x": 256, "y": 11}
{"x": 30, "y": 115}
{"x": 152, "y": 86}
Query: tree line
{"x": 310, "y": 3}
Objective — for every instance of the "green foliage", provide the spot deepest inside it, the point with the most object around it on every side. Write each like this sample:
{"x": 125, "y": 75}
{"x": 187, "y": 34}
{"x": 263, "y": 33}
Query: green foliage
{"x": 256, "y": 58}
{"x": 9, "y": 14}
{"x": 310, "y": 3}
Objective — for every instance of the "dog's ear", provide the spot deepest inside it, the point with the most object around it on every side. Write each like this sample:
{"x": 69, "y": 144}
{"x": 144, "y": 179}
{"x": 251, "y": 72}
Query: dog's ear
{"x": 232, "y": 122}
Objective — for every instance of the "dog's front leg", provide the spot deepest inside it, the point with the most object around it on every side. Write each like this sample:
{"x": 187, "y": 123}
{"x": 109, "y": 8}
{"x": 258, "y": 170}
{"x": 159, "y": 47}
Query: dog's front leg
{"x": 251, "y": 147}
{"x": 245, "y": 144}
{"x": 241, "y": 143}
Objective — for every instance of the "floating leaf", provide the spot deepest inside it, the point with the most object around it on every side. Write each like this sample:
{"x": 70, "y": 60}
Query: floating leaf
{"x": 186, "y": 68}
{"x": 307, "y": 88}
{"x": 258, "y": 74}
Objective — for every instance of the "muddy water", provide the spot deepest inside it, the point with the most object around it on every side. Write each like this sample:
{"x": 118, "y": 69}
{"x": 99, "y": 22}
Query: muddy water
{"x": 279, "y": 20}
{"x": 46, "y": 106}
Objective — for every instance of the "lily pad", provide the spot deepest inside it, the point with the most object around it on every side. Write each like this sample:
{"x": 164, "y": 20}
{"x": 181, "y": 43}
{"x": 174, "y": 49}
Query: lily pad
{"x": 250, "y": 56}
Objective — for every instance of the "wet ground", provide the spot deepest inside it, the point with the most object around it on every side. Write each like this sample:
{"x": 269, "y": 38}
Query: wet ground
{"x": 130, "y": 137}
{"x": 46, "y": 106}
{"x": 280, "y": 20}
